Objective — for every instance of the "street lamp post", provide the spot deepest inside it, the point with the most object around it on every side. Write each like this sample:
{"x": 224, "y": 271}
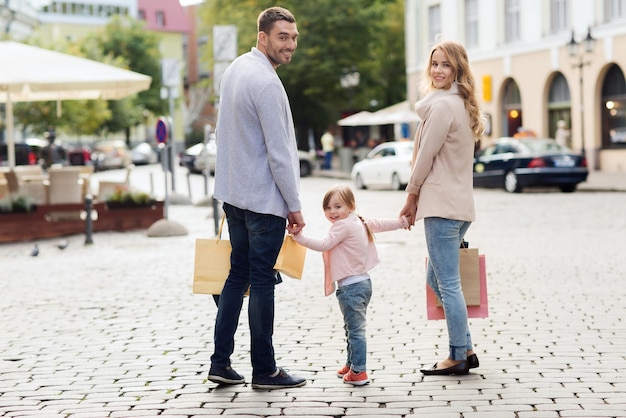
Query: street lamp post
{"x": 573, "y": 48}
{"x": 350, "y": 80}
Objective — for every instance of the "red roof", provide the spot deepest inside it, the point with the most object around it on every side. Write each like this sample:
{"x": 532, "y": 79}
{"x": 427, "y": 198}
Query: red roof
{"x": 164, "y": 15}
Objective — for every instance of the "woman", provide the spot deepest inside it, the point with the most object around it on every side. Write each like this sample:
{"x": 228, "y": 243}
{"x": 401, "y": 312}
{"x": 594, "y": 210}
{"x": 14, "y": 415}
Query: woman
{"x": 440, "y": 190}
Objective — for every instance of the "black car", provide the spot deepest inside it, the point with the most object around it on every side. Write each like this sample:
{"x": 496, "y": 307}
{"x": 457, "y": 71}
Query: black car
{"x": 526, "y": 162}
{"x": 24, "y": 155}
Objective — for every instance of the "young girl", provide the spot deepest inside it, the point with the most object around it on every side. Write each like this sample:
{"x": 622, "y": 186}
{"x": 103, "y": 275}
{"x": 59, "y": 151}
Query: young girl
{"x": 349, "y": 253}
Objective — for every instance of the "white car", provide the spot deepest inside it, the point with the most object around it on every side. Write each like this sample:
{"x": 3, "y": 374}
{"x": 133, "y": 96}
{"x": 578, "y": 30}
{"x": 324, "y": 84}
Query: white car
{"x": 207, "y": 155}
{"x": 387, "y": 165}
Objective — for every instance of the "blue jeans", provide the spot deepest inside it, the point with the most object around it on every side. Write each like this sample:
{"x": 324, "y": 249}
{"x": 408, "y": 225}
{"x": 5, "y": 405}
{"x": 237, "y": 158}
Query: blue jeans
{"x": 443, "y": 238}
{"x": 328, "y": 159}
{"x": 353, "y": 300}
{"x": 256, "y": 240}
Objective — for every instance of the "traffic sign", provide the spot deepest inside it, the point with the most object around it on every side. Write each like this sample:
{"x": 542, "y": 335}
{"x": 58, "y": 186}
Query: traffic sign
{"x": 162, "y": 130}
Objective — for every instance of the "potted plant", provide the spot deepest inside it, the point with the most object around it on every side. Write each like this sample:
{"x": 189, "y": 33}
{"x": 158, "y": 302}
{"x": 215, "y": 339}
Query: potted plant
{"x": 122, "y": 197}
{"x": 16, "y": 204}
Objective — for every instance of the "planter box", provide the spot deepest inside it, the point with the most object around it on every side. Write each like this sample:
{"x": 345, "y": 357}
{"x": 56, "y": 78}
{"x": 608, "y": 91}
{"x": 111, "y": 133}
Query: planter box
{"x": 49, "y": 221}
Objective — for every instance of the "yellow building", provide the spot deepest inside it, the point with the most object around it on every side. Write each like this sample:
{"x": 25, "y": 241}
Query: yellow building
{"x": 536, "y": 62}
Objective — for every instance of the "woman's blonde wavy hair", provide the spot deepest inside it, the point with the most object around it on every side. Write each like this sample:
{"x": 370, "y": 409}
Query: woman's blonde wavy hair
{"x": 457, "y": 57}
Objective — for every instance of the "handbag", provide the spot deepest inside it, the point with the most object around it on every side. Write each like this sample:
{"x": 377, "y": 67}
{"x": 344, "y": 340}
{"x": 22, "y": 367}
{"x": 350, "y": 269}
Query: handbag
{"x": 290, "y": 260}
{"x": 211, "y": 264}
{"x": 473, "y": 282}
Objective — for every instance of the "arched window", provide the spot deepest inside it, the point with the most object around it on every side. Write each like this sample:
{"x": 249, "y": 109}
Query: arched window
{"x": 511, "y": 108}
{"x": 559, "y": 104}
{"x": 614, "y": 109}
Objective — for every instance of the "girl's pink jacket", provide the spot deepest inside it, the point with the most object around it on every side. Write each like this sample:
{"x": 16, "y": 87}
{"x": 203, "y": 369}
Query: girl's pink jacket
{"x": 346, "y": 249}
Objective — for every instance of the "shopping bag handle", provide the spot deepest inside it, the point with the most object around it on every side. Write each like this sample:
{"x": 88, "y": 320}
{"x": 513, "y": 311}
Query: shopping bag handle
{"x": 219, "y": 233}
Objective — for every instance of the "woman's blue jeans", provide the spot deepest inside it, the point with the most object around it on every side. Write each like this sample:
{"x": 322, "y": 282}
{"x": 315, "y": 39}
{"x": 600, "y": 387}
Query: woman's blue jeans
{"x": 353, "y": 300}
{"x": 443, "y": 239}
{"x": 256, "y": 240}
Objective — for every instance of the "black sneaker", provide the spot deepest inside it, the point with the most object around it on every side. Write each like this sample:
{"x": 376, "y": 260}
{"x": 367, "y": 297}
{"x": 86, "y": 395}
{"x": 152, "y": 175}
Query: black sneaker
{"x": 224, "y": 375}
{"x": 280, "y": 381}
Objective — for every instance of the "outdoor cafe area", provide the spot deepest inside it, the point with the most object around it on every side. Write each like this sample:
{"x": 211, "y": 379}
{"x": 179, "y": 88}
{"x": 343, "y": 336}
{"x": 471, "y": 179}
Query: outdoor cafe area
{"x": 59, "y": 199}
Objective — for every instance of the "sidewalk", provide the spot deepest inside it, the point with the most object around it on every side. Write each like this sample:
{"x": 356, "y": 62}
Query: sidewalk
{"x": 597, "y": 181}
{"x": 112, "y": 329}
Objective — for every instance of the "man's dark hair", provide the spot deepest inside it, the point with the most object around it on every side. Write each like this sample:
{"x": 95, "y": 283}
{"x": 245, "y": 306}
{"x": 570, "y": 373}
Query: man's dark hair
{"x": 269, "y": 16}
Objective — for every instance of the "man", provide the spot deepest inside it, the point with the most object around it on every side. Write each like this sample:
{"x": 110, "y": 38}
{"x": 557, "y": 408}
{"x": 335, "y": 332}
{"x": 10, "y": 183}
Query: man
{"x": 328, "y": 146}
{"x": 257, "y": 177}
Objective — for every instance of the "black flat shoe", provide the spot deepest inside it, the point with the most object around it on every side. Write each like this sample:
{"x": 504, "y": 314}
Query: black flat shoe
{"x": 472, "y": 361}
{"x": 458, "y": 369}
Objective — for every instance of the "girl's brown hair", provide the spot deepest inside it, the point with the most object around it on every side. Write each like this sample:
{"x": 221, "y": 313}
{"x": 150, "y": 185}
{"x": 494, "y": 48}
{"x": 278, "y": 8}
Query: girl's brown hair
{"x": 347, "y": 197}
{"x": 457, "y": 56}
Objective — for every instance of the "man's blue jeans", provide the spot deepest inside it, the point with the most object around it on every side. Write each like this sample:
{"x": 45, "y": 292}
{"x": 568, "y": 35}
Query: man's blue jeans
{"x": 256, "y": 240}
{"x": 353, "y": 300}
{"x": 443, "y": 239}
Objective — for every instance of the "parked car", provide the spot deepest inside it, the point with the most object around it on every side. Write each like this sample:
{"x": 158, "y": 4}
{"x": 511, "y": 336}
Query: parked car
{"x": 196, "y": 156}
{"x": 207, "y": 155}
{"x": 307, "y": 162}
{"x": 526, "y": 162}
{"x": 188, "y": 157}
{"x": 110, "y": 154}
{"x": 79, "y": 154}
{"x": 387, "y": 165}
{"x": 24, "y": 155}
{"x": 143, "y": 154}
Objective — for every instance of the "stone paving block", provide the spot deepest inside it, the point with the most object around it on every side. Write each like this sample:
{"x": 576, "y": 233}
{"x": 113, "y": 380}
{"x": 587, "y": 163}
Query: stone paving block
{"x": 326, "y": 411}
{"x": 537, "y": 414}
{"x": 377, "y": 412}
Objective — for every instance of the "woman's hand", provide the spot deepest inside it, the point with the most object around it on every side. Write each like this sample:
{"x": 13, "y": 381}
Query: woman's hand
{"x": 409, "y": 210}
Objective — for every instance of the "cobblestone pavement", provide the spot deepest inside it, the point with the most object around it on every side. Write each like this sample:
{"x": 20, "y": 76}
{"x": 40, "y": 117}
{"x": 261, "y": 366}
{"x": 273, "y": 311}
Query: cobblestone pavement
{"x": 113, "y": 330}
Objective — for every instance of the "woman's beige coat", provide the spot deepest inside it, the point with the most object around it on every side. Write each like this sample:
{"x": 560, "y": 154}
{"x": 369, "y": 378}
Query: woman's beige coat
{"x": 442, "y": 173}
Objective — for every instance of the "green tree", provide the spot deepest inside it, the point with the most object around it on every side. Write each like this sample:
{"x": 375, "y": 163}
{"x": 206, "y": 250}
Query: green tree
{"x": 367, "y": 35}
{"x": 128, "y": 44}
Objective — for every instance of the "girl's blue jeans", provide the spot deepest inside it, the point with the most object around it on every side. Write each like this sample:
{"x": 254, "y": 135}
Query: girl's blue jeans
{"x": 256, "y": 240}
{"x": 443, "y": 239}
{"x": 353, "y": 300}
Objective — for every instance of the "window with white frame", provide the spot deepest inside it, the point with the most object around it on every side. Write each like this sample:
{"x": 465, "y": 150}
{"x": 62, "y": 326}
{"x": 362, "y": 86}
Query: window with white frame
{"x": 614, "y": 9}
{"x": 559, "y": 15}
{"x": 471, "y": 23}
{"x": 160, "y": 19}
{"x": 511, "y": 21}
{"x": 434, "y": 23}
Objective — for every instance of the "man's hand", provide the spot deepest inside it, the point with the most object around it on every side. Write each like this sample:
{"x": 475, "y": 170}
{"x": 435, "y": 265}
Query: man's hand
{"x": 295, "y": 222}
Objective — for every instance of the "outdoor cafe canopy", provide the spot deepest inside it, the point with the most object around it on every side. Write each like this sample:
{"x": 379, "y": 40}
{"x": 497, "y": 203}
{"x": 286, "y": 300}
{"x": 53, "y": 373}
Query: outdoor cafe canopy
{"x": 29, "y": 74}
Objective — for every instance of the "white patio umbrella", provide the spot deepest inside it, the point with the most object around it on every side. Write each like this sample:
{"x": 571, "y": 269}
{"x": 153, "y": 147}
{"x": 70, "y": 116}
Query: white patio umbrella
{"x": 29, "y": 74}
{"x": 358, "y": 119}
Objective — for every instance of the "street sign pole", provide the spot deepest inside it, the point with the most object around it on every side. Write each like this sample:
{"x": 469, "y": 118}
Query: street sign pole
{"x": 162, "y": 136}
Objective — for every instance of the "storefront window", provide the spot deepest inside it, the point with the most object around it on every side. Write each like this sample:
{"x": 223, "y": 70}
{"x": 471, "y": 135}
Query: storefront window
{"x": 614, "y": 109}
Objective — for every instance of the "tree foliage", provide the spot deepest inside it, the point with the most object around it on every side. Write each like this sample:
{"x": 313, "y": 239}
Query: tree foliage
{"x": 125, "y": 43}
{"x": 335, "y": 35}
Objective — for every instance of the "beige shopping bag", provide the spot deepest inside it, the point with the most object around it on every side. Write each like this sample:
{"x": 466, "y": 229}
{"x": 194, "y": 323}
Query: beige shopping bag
{"x": 211, "y": 264}
{"x": 290, "y": 260}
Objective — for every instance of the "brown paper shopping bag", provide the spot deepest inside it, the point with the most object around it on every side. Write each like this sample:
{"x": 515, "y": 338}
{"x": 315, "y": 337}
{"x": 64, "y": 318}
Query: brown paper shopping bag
{"x": 290, "y": 260}
{"x": 211, "y": 264}
{"x": 474, "y": 283}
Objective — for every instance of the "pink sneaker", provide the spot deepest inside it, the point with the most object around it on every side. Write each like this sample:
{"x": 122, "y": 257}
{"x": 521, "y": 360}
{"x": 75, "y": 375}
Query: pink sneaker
{"x": 341, "y": 372}
{"x": 356, "y": 379}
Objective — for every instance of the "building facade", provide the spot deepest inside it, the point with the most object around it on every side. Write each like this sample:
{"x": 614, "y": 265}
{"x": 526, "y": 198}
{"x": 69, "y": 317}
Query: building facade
{"x": 18, "y": 19}
{"x": 536, "y": 62}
